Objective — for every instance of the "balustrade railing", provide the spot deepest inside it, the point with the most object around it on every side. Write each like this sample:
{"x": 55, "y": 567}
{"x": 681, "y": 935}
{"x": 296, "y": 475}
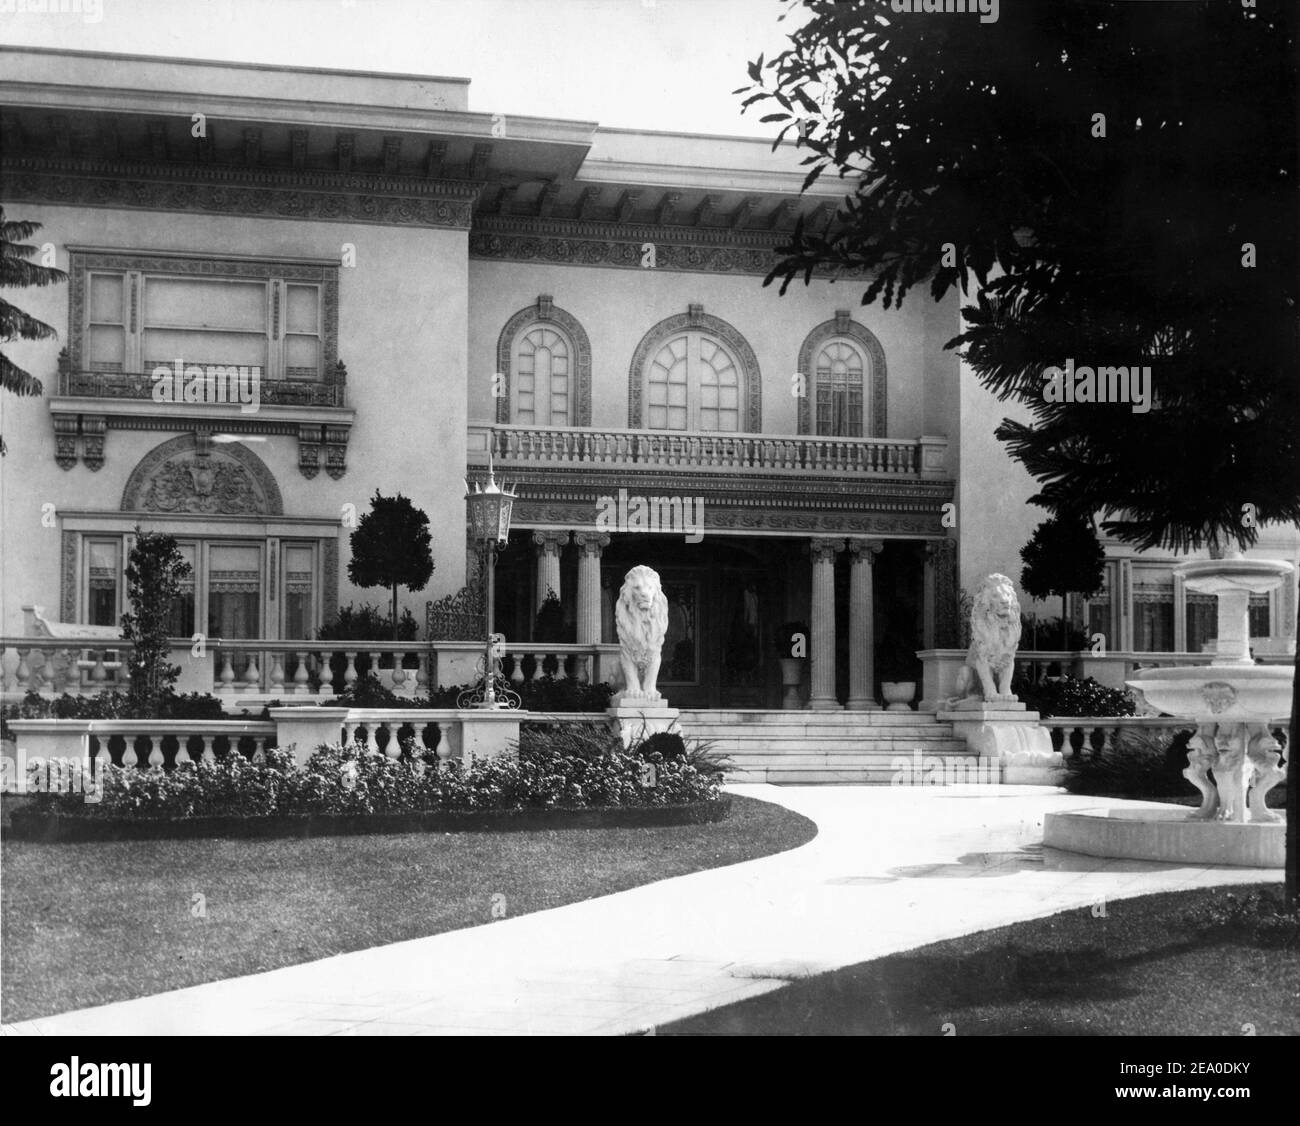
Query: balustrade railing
{"x": 519, "y": 446}
{"x": 1084, "y": 736}
{"x": 243, "y": 672}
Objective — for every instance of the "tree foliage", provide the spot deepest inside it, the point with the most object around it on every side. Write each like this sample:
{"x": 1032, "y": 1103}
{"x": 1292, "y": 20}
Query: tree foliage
{"x": 391, "y": 547}
{"x": 1062, "y": 557}
{"x": 155, "y": 573}
{"x": 973, "y": 155}
{"x": 17, "y": 271}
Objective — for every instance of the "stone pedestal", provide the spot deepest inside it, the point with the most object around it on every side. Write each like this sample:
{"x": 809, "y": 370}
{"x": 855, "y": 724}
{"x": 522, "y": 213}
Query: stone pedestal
{"x": 302, "y": 730}
{"x": 634, "y": 721}
{"x": 1003, "y": 729}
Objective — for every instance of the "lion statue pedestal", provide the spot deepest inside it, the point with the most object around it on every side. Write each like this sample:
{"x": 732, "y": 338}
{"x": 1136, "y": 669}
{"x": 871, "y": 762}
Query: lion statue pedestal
{"x": 985, "y": 712}
{"x": 641, "y": 615}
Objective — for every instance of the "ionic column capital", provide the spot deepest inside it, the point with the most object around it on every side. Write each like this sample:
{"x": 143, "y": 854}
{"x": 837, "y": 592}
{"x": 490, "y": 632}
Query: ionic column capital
{"x": 549, "y": 542}
{"x": 864, "y": 550}
{"x": 591, "y": 543}
{"x": 824, "y": 550}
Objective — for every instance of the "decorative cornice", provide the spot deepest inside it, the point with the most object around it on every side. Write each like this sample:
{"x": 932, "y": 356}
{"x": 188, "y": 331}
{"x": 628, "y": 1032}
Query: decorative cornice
{"x": 351, "y": 197}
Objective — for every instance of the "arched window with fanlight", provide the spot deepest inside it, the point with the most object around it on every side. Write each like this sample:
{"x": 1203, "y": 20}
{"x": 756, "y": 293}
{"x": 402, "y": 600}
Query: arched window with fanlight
{"x": 544, "y": 359}
{"x": 845, "y": 391}
{"x": 840, "y": 367}
{"x": 543, "y": 375}
{"x": 694, "y": 372}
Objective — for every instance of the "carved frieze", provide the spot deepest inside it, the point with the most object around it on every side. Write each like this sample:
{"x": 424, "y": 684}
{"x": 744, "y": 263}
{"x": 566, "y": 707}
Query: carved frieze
{"x": 179, "y": 477}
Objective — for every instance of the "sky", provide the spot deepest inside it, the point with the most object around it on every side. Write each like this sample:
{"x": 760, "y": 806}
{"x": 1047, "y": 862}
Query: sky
{"x": 645, "y": 64}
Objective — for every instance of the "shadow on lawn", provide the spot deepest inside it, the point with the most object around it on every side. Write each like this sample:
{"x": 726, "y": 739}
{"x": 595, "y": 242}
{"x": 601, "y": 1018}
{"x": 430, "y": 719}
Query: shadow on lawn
{"x": 992, "y": 991}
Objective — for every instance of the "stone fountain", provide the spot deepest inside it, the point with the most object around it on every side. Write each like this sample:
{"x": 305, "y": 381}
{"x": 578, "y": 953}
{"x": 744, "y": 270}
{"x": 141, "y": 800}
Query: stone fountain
{"x": 1233, "y": 702}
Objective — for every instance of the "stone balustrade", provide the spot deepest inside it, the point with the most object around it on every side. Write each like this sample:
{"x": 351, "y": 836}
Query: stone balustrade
{"x": 243, "y": 673}
{"x": 141, "y": 743}
{"x": 1075, "y": 736}
{"x": 529, "y": 446}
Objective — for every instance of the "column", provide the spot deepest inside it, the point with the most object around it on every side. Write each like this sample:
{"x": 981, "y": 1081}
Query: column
{"x": 929, "y": 596}
{"x": 590, "y": 544}
{"x": 862, "y": 626}
{"x": 548, "y": 545}
{"x": 822, "y": 553}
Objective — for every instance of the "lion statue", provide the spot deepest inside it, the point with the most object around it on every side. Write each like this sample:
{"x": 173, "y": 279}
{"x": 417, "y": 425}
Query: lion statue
{"x": 995, "y": 637}
{"x": 642, "y": 618}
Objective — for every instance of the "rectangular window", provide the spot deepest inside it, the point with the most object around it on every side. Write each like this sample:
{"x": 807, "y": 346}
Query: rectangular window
{"x": 1153, "y": 609}
{"x": 1260, "y": 623}
{"x": 1203, "y": 620}
{"x": 299, "y": 591}
{"x": 234, "y": 590}
{"x": 182, "y": 613}
{"x": 278, "y": 317}
{"x": 103, "y": 582}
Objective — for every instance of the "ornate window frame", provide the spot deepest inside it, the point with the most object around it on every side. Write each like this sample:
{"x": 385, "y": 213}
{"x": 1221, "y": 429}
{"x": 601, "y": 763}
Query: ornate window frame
{"x": 84, "y": 261}
{"x": 545, "y": 312}
{"x": 842, "y": 324}
{"x": 751, "y": 395}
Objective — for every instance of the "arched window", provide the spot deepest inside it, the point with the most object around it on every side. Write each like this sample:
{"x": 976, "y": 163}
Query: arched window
{"x": 543, "y": 375}
{"x": 694, "y": 372}
{"x": 544, "y": 358}
{"x": 840, "y": 365}
{"x": 844, "y": 366}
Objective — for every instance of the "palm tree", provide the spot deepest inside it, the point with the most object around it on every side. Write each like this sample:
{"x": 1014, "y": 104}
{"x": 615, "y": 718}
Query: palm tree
{"x": 17, "y": 271}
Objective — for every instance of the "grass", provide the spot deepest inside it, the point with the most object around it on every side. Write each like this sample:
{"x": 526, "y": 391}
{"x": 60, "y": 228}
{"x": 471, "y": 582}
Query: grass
{"x": 87, "y": 924}
{"x": 1142, "y": 970}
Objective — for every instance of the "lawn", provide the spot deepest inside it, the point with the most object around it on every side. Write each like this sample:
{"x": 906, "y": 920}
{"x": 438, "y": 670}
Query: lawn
{"x": 1139, "y": 971}
{"x": 86, "y": 924}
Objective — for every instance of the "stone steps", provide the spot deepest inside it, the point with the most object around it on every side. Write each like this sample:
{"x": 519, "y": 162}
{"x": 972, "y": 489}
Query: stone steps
{"x": 811, "y": 748}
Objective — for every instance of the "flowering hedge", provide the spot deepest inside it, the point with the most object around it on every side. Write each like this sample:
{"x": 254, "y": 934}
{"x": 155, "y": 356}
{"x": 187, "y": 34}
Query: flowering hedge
{"x": 559, "y": 768}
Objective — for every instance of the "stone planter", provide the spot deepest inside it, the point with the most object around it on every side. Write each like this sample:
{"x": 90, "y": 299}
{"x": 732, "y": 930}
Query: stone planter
{"x": 898, "y": 695}
{"x": 791, "y": 680}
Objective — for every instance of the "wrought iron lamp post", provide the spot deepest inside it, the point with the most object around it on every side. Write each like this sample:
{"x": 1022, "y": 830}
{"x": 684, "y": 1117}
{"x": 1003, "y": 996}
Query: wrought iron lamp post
{"x": 489, "y": 527}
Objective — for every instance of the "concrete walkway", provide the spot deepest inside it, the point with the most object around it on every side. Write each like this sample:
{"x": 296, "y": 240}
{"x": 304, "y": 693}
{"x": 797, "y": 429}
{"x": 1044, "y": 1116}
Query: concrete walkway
{"x": 892, "y": 868}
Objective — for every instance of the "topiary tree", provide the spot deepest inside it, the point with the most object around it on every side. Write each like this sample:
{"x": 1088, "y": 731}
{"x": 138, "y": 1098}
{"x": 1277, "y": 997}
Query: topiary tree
{"x": 155, "y": 570}
{"x": 16, "y": 271}
{"x": 1062, "y": 557}
{"x": 391, "y": 548}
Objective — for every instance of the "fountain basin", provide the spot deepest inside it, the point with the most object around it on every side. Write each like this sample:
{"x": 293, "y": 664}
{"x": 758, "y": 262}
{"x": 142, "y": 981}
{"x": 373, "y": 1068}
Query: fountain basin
{"x": 1165, "y": 834}
{"x": 1218, "y": 693}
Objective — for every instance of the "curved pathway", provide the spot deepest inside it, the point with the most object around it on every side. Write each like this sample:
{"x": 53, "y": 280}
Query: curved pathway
{"x": 892, "y": 868}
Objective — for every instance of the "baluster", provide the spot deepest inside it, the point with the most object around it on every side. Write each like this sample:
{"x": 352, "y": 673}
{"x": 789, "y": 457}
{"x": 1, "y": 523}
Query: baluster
{"x": 252, "y": 674}
{"x": 45, "y": 672}
{"x": 374, "y": 667}
{"x": 421, "y": 673}
{"x": 24, "y": 672}
{"x": 560, "y": 660}
{"x": 277, "y": 673}
{"x": 517, "y": 673}
{"x": 537, "y": 667}
{"x": 350, "y": 673}
{"x": 399, "y": 673}
{"x": 300, "y": 677}
{"x": 393, "y": 751}
{"x": 129, "y": 757}
{"x": 259, "y": 750}
{"x": 155, "y": 752}
{"x": 349, "y": 733}
{"x": 227, "y": 675}
{"x": 580, "y": 668}
{"x": 206, "y": 753}
{"x": 372, "y": 744}
{"x": 183, "y": 749}
{"x": 102, "y": 757}
{"x": 4, "y": 670}
{"x": 72, "y": 678}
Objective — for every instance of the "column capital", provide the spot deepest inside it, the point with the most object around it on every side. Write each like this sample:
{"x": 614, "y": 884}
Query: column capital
{"x": 863, "y": 550}
{"x": 591, "y": 543}
{"x": 822, "y": 550}
{"x": 549, "y": 541}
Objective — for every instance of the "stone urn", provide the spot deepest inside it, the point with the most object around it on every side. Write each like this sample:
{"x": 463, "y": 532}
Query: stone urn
{"x": 898, "y": 694}
{"x": 791, "y": 679}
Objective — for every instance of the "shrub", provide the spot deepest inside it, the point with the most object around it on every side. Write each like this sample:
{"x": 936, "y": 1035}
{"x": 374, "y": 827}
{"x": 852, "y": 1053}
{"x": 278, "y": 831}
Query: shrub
{"x": 1259, "y": 917}
{"x": 565, "y": 765}
{"x": 1071, "y": 696}
{"x": 367, "y": 623}
{"x": 155, "y": 570}
{"x": 543, "y": 694}
{"x": 1142, "y": 764}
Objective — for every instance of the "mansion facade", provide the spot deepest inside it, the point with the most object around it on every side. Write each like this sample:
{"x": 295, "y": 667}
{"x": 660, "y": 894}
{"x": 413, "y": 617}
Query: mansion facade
{"x": 411, "y": 289}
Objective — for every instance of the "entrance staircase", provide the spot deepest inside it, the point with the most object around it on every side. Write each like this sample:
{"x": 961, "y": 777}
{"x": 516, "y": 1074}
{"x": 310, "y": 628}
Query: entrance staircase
{"x": 807, "y": 747}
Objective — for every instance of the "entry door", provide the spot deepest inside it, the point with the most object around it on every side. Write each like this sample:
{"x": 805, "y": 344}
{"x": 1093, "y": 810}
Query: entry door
{"x": 741, "y": 632}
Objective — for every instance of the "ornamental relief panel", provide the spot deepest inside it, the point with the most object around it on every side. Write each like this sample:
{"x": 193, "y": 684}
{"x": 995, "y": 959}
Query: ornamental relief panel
{"x": 189, "y": 475}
